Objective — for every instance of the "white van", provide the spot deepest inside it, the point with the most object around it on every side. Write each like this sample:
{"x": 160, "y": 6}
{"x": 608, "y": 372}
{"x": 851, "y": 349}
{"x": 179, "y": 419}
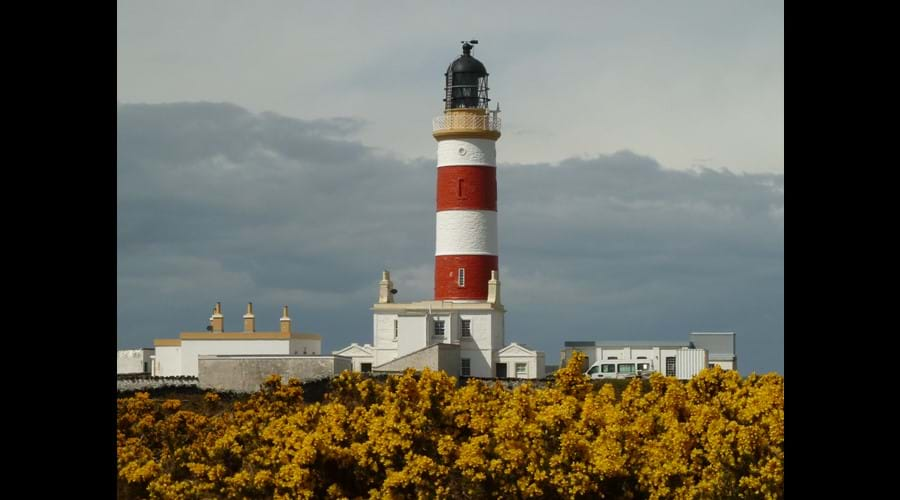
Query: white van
{"x": 620, "y": 368}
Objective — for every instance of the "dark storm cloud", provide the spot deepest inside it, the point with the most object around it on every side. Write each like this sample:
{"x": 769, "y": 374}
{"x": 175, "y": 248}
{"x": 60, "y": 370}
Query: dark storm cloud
{"x": 216, "y": 203}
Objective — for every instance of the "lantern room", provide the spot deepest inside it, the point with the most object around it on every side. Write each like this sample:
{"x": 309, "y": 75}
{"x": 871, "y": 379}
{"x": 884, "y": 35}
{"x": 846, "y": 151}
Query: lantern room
{"x": 467, "y": 81}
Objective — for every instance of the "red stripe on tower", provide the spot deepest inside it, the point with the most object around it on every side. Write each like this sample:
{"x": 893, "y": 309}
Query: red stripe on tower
{"x": 467, "y": 187}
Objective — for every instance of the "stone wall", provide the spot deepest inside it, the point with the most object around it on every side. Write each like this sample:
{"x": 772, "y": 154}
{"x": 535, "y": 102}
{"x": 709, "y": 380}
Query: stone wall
{"x": 434, "y": 357}
{"x": 246, "y": 374}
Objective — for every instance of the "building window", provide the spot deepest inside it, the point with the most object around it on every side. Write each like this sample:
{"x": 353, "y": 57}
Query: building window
{"x": 626, "y": 368}
{"x": 642, "y": 357}
{"x": 466, "y": 367}
{"x": 521, "y": 370}
{"x": 146, "y": 367}
{"x": 439, "y": 327}
{"x": 461, "y": 277}
{"x": 365, "y": 367}
{"x": 466, "y": 330}
{"x": 396, "y": 328}
{"x": 612, "y": 357}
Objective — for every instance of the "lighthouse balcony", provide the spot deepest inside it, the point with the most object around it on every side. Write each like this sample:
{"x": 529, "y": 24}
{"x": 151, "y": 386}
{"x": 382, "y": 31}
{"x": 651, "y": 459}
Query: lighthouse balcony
{"x": 454, "y": 123}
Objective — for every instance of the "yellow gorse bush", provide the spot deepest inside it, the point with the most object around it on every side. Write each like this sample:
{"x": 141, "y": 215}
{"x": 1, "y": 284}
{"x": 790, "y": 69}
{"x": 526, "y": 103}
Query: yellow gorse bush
{"x": 418, "y": 435}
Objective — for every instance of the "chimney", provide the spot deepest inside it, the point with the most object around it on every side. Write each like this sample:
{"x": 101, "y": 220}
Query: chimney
{"x": 249, "y": 319}
{"x": 385, "y": 296}
{"x": 217, "y": 320}
{"x": 494, "y": 289}
{"x": 285, "y": 321}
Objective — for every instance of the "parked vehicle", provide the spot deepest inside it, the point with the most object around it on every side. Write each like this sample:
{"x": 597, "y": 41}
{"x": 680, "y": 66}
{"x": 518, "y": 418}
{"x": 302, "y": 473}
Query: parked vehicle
{"x": 620, "y": 368}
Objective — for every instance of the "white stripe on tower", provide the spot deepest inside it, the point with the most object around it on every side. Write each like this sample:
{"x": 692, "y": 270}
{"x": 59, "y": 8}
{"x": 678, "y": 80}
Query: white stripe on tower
{"x": 466, "y": 232}
{"x": 469, "y": 151}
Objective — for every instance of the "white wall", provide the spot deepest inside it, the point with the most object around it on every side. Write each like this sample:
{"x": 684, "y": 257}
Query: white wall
{"x": 383, "y": 329}
{"x": 534, "y": 364}
{"x": 383, "y": 338}
{"x": 359, "y": 360}
{"x": 479, "y": 362}
{"x": 190, "y": 349}
{"x": 689, "y": 362}
{"x": 305, "y": 346}
{"x": 498, "y": 334}
{"x": 511, "y": 361}
{"x": 482, "y": 330}
{"x": 415, "y": 333}
{"x": 167, "y": 362}
{"x": 132, "y": 360}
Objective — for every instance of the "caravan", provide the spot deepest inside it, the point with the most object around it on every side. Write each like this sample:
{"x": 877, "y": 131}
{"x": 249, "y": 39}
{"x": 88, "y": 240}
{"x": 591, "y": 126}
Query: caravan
{"x": 621, "y": 368}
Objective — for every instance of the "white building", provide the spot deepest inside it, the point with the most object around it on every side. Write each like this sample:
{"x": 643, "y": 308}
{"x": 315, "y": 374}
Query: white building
{"x": 518, "y": 361}
{"x": 363, "y": 356}
{"x": 134, "y": 360}
{"x": 681, "y": 359}
{"x": 475, "y": 328}
{"x": 179, "y": 357}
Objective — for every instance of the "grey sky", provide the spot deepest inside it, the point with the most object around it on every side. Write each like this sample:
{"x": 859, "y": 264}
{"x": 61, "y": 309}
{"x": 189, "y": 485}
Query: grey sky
{"x": 698, "y": 82}
{"x": 218, "y": 203}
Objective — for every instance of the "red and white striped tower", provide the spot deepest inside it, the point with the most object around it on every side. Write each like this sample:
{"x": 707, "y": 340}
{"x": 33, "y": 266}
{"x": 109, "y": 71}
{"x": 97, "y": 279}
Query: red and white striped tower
{"x": 466, "y": 231}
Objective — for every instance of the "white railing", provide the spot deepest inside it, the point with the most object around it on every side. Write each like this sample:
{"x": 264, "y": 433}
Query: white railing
{"x": 490, "y": 122}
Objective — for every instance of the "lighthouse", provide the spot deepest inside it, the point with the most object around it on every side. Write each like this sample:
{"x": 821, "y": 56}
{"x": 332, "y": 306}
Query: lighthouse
{"x": 461, "y": 329}
{"x": 466, "y": 244}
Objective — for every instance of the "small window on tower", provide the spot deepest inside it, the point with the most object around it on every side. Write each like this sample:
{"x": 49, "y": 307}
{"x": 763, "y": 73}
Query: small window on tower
{"x": 396, "y": 328}
{"x": 461, "y": 277}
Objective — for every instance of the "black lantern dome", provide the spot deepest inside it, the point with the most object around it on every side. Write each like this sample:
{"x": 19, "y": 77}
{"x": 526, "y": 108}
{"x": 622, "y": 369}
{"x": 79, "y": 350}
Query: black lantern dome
{"x": 467, "y": 81}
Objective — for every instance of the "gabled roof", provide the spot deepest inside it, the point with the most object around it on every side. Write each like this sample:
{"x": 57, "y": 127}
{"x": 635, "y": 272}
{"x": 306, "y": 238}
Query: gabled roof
{"x": 355, "y": 349}
{"x": 514, "y": 349}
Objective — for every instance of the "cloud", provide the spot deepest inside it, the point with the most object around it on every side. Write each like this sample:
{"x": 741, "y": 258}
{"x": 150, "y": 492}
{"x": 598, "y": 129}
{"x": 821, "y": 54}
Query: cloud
{"x": 216, "y": 203}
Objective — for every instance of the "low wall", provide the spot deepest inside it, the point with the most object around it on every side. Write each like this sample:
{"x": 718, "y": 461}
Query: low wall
{"x": 133, "y": 382}
{"x": 434, "y": 357}
{"x": 247, "y": 373}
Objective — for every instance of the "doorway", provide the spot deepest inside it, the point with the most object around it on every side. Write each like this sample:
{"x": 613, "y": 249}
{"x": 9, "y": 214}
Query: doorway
{"x": 501, "y": 370}
{"x": 670, "y": 366}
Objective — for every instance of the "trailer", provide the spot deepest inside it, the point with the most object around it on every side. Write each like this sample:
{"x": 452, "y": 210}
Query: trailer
{"x": 689, "y": 362}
